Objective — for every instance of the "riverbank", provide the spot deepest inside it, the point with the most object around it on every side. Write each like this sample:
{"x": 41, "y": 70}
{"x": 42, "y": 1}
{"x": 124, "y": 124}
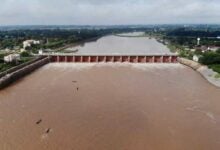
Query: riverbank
{"x": 12, "y": 75}
{"x": 131, "y": 36}
{"x": 76, "y": 44}
{"x": 206, "y": 72}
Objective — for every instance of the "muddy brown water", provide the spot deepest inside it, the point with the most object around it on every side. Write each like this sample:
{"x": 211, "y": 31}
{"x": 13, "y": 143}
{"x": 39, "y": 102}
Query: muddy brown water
{"x": 116, "y": 107}
{"x": 113, "y": 45}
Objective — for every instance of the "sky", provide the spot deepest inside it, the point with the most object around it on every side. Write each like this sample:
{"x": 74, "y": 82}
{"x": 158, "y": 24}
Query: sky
{"x": 108, "y": 12}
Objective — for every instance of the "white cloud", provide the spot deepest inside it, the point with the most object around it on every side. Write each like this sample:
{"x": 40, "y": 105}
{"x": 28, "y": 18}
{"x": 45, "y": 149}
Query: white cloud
{"x": 108, "y": 12}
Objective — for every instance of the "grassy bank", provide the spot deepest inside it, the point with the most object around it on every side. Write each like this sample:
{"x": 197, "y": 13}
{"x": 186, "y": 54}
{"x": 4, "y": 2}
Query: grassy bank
{"x": 5, "y": 66}
{"x": 212, "y": 60}
{"x": 215, "y": 67}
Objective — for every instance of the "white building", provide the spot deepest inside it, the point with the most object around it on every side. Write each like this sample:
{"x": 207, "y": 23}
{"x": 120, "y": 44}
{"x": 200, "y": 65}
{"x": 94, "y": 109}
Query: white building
{"x": 40, "y": 52}
{"x": 22, "y": 50}
{"x": 195, "y": 58}
{"x": 28, "y": 43}
{"x": 12, "y": 58}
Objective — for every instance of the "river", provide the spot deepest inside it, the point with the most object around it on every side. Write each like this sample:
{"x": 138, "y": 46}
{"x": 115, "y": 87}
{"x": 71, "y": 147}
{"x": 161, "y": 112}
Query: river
{"x": 122, "y": 45}
{"x": 110, "y": 107}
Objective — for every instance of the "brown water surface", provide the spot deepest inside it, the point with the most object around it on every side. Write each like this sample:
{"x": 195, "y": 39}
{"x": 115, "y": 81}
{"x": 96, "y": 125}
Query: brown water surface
{"x": 113, "y": 45}
{"x": 110, "y": 107}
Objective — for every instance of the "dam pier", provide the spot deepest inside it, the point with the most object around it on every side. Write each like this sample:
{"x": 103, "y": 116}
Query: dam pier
{"x": 67, "y": 58}
{"x": 18, "y": 72}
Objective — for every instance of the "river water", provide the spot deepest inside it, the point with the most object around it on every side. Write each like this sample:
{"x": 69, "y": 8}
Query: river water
{"x": 110, "y": 107}
{"x": 122, "y": 45}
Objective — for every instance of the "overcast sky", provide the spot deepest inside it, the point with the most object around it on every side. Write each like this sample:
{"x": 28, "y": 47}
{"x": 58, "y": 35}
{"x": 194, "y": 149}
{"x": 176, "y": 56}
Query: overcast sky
{"x": 108, "y": 12}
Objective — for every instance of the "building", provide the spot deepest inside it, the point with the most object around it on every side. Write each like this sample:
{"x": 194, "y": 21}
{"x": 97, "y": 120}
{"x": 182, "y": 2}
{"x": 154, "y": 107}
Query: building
{"x": 195, "y": 58}
{"x": 22, "y": 50}
{"x": 206, "y": 48}
{"x": 202, "y": 48}
{"x": 12, "y": 58}
{"x": 214, "y": 48}
{"x": 28, "y": 43}
{"x": 40, "y": 52}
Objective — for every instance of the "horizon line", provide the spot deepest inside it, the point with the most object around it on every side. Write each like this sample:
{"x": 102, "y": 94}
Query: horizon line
{"x": 109, "y": 24}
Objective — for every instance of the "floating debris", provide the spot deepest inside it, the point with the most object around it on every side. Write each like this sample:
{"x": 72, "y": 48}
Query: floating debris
{"x": 48, "y": 130}
{"x": 39, "y": 121}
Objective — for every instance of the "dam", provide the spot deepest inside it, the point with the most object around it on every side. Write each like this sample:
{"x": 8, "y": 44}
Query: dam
{"x": 140, "y": 101}
{"x": 108, "y": 49}
{"x": 157, "y": 58}
{"x": 117, "y": 49}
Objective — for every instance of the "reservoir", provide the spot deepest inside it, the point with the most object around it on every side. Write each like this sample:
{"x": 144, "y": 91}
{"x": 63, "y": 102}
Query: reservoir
{"x": 111, "y": 106}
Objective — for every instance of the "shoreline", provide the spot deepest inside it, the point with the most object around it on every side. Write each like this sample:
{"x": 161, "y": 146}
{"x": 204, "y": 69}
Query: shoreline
{"x": 204, "y": 71}
{"x": 76, "y": 44}
{"x": 16, "y": 73}
{"x": 131, "y": 36}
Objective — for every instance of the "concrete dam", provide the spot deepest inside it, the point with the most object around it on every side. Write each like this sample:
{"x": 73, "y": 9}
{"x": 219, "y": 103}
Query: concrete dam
{"x": 10, "y": 76}
{"x": 65, "y": 58}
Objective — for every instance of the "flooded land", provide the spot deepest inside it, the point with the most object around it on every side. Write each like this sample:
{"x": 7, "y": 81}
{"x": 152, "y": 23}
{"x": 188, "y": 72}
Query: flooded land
{"x": 111, "y": 107}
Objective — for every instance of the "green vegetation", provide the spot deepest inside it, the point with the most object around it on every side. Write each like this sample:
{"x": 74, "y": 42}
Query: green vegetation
{"x": 215, "y": 67}
{"x": 217, "y": 76}
{"x": 172, "y": 48}
{"x": 24, "y": 57}
{"x": 25, "y": 54}
{"x": 184, "y": 41}
{"x": 4, "y": 66}
{"x": 179, "y": 38}
{"x": 53, "y": 39}
{"x": 186, "y": 54}
{"x": 210, "y": 58}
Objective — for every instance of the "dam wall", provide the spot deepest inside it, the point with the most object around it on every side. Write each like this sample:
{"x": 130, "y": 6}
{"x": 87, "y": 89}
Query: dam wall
{"x": 2, "y": 74}
{"x": 206, "y": 72}
{"x": 192, "y": 64}
{"x": 16, "y": 73}
{"x": 114, "y": 58}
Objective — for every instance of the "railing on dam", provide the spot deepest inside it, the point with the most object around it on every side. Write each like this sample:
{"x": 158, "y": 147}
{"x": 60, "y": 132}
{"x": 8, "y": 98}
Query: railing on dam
{"x": 171, "y": 58}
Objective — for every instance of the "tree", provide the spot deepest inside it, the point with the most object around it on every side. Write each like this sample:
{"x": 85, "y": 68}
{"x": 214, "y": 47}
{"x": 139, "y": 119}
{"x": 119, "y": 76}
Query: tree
{"x": 25, "y": 54}
{"x": 210, "y": 58}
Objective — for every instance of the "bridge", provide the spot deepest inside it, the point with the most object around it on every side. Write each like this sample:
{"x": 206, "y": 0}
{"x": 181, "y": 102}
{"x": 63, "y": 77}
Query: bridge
{"x": 77, "y": 58}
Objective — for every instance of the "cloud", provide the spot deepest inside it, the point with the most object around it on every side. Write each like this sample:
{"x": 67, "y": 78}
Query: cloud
{"x": 106, "y": 12}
